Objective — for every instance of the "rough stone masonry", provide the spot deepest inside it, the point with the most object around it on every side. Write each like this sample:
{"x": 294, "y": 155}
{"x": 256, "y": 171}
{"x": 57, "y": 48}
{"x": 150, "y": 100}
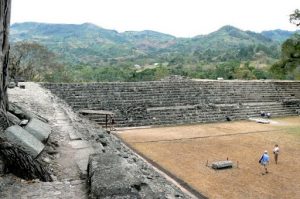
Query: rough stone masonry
{"x": 181, "y": 101}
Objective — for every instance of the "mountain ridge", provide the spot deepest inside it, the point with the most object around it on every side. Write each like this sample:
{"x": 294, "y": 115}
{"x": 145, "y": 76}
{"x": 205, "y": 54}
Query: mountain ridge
{"x": 88, "y": 24}
{"x": 93, "y": 45}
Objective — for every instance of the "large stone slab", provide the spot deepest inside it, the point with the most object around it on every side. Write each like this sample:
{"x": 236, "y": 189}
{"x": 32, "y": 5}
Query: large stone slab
{"x": 110, "y": 176}
{"x": 21, "y": 113}
{"x": 82, "y": 160}
{"x": 73, "y": 134}
{"x": 79, "y": 144}
{"x": 22, "y": 138}
{"x": 38, "y": 129}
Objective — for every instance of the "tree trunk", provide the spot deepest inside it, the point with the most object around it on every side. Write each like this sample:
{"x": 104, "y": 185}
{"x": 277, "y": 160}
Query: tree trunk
{"x": 15, "y": 159}
{"x": 5, "y": 6}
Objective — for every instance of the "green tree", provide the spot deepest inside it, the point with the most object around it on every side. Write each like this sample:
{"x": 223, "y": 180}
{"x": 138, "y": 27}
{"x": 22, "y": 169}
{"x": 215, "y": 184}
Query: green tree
{"x": 295, "y": 17}
{"x": 244, "y": 73}
{"x": 289, "y": 65}
{"x": 226, "y": 70}
{"x": 31, "y": 61}
{"x": 59, "y": 74}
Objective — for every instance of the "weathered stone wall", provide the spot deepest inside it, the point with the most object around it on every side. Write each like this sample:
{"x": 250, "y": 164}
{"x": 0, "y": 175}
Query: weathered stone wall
{"x": 179, "y": 102}
{"x": 117, "y": 172}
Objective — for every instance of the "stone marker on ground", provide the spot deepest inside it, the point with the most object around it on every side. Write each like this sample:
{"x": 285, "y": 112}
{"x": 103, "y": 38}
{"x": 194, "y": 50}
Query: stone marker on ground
{"x": 22, "y": 138}
{"x": 222, "y": 164}
{"x": 38, "y": 129}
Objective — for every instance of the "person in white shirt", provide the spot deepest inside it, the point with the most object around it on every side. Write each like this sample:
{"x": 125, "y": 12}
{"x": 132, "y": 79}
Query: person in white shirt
{"x": 276, "y": 152}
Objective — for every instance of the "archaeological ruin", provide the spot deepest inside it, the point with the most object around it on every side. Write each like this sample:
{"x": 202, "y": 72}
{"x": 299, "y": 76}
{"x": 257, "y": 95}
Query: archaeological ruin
{"x": 52, "y": 144}
{"x": 171, "y": 102}
{"x": 181, "y": 101}
{"x": 98, "y": 157}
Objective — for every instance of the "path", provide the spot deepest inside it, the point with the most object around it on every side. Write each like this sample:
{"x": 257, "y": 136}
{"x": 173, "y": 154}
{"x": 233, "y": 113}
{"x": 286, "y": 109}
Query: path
{"x": 67, "y": 151}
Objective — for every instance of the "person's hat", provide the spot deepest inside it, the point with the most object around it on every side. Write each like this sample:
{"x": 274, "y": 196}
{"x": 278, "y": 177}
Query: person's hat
{"x": 266, "y": 151}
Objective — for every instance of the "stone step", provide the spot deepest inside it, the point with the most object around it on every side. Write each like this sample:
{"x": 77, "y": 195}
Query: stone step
{"x": 180, "y": 102}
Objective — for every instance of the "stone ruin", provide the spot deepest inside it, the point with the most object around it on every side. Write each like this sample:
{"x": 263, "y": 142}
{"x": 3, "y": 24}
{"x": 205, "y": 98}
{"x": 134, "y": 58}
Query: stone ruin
{"x": 181, "y": 101}
{"x": 117, "y": 172}
{"x": 167, "y": 102}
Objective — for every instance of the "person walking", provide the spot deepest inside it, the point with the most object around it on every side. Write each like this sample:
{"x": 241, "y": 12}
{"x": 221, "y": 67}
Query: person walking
{"x": 276, "y": 153}
{"x": 264, "y": 161}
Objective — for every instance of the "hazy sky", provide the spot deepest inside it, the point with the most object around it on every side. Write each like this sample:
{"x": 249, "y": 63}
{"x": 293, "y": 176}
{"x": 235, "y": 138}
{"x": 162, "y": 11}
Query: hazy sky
{"x": 183, "y": 18}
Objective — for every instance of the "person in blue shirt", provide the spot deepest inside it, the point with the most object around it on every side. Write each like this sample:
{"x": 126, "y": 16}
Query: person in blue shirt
{"x": 264, "y": 161}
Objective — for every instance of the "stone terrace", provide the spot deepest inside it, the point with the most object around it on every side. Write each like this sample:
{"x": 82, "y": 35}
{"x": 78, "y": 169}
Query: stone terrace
{"x": 181, "y": 102}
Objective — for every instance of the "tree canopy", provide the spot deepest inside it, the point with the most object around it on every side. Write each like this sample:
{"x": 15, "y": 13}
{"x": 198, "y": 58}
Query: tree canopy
{"x": 31, "y": 61}
{"x": 288, "y": 67}
{"x": 295, "y": 17}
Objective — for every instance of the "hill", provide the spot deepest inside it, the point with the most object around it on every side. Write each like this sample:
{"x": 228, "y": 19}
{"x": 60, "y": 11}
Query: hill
{"x": 92, "y": 53}
{"x": 92, "y": 45}
{"x": 88, "y": 43}
{"x": 278, "y": 35}
{"x": 229, "y": 43}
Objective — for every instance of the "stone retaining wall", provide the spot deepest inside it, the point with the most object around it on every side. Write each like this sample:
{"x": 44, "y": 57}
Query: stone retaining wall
{"x": 118, "y": 172}
{"x": 181, "y": 102}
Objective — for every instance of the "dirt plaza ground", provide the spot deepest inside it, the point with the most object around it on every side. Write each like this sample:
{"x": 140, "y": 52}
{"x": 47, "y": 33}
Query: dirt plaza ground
{"x": 185, "y": 150}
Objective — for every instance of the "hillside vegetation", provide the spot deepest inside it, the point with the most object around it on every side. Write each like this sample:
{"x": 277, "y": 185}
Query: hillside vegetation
{"x": 87, "y": 52}
{"x": 288, "y": 67}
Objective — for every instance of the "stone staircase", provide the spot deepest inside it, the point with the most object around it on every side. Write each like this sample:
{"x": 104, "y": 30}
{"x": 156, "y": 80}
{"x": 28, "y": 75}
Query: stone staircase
{"x": 181, "y": 102}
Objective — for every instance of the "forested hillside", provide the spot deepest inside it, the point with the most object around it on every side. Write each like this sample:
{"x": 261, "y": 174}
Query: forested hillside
{"x": 87, "y": 52}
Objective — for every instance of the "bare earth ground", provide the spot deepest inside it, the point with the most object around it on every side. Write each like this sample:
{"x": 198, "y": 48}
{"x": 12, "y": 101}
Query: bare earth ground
{"x": 185, "y": 150}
